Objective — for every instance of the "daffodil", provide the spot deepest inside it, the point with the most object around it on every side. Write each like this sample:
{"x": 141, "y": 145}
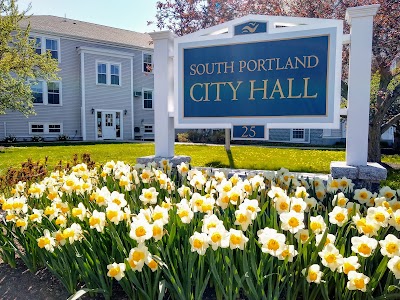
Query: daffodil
{"x": 118, "y": 199}
{"x": 149, "y": 196}
{"x": 289, "y": 252}
{"x": 79, "y": 212}
{"x": 338, "y": 216}
{"x": 364, "y": 245}
{"x": 379, "y": 215}
{"x": 210, "y": 222}
{"x": 199, "y": 243}
{"x": 314, "y": 274}
{"x": 282, "y": 204}
{"x": 349, "y": 264}
{"x": 394, "y": 266}
{"x": 302, "y": 235}
{"x": 271, "y": 241}
{"x": 22, "y": 224}
{"x": 141, "y": 230}
{"x": 340, "y": 200}
{"x": 237, "y": 239}
{"x": 116, "y": 271}
{"x": 184, "y": 211}
{"x": 298, "y": 205}
{"x": 330, "y": 239}
{"x": 330, "y": 257}
{"x": 292, "y": 221}
{"x": 311, "y": 203}
{"x": 36, "y": 215}
{"x": 137, "y": 257}
{"x": 146, "y": 175}
{"x": 243, "y": 218}
{"x": 97, "y": 221}
{"x": 218, "y": 237}
{"x": 387, "y": 192}
{"x": 158, "y": 230}
{"x": 317, "y": 224}
{"x": 151, "y": 263}
{"x": 395, "y": 220}
{"x": 357, "y": 281}
{"x": 73, "y": 233}
{"x": 114, "y": 213}
{"x": 183, "y": 169}
{"x": 390, "y": 246}
{"x": 362, "y": 195}
{"x": 46, "y": 241}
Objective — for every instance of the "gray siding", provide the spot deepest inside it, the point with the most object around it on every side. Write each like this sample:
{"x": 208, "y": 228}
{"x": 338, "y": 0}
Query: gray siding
{"x": 279, "y": 135}
{"x": 98, "y": 97}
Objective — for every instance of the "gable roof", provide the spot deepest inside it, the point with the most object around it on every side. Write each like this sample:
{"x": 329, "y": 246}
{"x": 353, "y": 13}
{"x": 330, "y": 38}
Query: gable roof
{"x": 83, "y": 30}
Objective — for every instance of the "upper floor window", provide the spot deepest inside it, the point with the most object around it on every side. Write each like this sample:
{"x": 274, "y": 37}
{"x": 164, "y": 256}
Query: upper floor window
{"x": 114, "y": 74}
{"x": 52, "y": 46}
{"x": 147, "y": 63}
{"x": 108, "y": 73}
{"x": 43, "y": 44}
{"x": 102, "y": 73}
{"x": 148, "y": 99}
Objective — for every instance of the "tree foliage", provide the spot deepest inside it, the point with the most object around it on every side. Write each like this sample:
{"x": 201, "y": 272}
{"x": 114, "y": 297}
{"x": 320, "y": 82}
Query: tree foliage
{"x": 19, "y": 63}
{"x": 186, "y": 16}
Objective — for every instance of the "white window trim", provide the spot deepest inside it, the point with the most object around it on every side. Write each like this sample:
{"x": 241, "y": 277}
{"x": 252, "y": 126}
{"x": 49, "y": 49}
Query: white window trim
{"x": 108, "y": 73}
{"x": 152, "y": 62}
{"x": 152, "y": 91}
{"x": 121, "y": 124}
{"x": 46, "y": 93}
{"x": 292, "y": 139}
{"x": 43, "y": 43}
{"x": 45, "y": 128}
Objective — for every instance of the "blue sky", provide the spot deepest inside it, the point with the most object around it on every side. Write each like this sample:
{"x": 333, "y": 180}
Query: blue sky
{"x": 126, "y": 14}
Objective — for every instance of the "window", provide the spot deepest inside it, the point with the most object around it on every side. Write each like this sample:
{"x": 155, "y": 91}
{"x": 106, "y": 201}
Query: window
{"x": 37, "y": 44}
{"x": 45, "y": 128}
{"x": 148, "y": 128}
{"x": 54, "y": 128}
{"x": 114, "y": 74}
{"x": 148, "y": 99}
{"x": 101, "y": 73}
{"x": 47, "y": 93}
{"x": 147, "y": 63}
{"x": 37, "y": 91}
{"x": 44, "y": 44}
{"x": 52, "y": 46}
{"x": 108, "y": 73}
{"x": 298, "y": 134}
{"x": 53, "y": 93}
{"x": 37, "y": 128}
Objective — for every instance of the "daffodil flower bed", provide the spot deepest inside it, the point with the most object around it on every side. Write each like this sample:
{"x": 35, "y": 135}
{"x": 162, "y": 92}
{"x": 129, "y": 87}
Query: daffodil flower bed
{"x": 177, "y": 232}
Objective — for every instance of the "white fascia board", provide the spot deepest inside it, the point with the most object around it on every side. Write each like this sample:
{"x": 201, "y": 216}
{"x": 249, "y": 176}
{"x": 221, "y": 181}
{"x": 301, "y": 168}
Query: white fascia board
{"x": 108, "y": 52}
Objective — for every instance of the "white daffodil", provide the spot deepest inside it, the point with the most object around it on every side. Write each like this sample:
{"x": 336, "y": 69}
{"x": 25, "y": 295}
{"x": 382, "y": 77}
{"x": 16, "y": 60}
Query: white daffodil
{"x": 46, "y": 241}
{"x": 97, "y": 221}
{"x": 394, "y": 266}
{"x": 390, "y": 246}
{"x": 338, "y": 216}
{"x": 149, "y": 196}
{"x": 363, "y": 245}
{"x": 314, "y": 274}
{"x": 199, "y": 243}
{"x": 317, "y": 224}
{"x": 116, "y": 271}
{"x": 114, "y": 213}
{"x": 243, "y": 218}
{"x": 218, "y": 237}
{"x": 330, "y": 239}
{"x": 292, "y": 221}
{"x": 184, "y": 211}
{"x": 357, "y": 281}
{"x": 141, "y": 230}
{"x": 330, "y": 257}
{"x": 272, "y": 242}
{"x": 237, "y": 239}
{"x": 288, "y": 253}
{"x": 362, "y": 195}
{"x": 349, "y": 264}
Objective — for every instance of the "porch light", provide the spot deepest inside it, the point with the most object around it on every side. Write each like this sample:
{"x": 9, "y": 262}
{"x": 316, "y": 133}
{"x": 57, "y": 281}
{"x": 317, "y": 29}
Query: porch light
{"x": 92, "y": 110}
{"x": 125, "y": 112}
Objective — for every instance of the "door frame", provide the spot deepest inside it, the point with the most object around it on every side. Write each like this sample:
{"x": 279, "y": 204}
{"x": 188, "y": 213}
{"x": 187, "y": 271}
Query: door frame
{"x": 109, "y": 110}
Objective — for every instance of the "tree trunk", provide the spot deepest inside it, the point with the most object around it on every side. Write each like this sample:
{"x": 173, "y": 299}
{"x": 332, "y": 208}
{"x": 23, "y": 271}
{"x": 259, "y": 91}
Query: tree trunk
{"x": 374, "y": 143}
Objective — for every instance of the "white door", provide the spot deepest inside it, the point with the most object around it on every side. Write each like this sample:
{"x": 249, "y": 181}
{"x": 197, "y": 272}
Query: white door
{"x": 109, "y": 128}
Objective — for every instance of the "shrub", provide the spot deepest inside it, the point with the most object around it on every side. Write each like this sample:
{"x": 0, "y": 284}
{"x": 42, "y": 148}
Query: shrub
{"x": 183, "y": 137}
{"x": 10, "y": 139}
{"x": 63, "y": 137}
{"x": 37, "y": 138}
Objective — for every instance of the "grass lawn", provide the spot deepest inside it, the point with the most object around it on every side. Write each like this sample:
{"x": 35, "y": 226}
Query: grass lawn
{"x": 246, "y": 157}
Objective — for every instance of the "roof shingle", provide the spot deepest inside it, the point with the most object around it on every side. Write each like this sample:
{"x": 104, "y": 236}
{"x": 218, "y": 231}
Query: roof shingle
{"x": 74, "y": 28}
